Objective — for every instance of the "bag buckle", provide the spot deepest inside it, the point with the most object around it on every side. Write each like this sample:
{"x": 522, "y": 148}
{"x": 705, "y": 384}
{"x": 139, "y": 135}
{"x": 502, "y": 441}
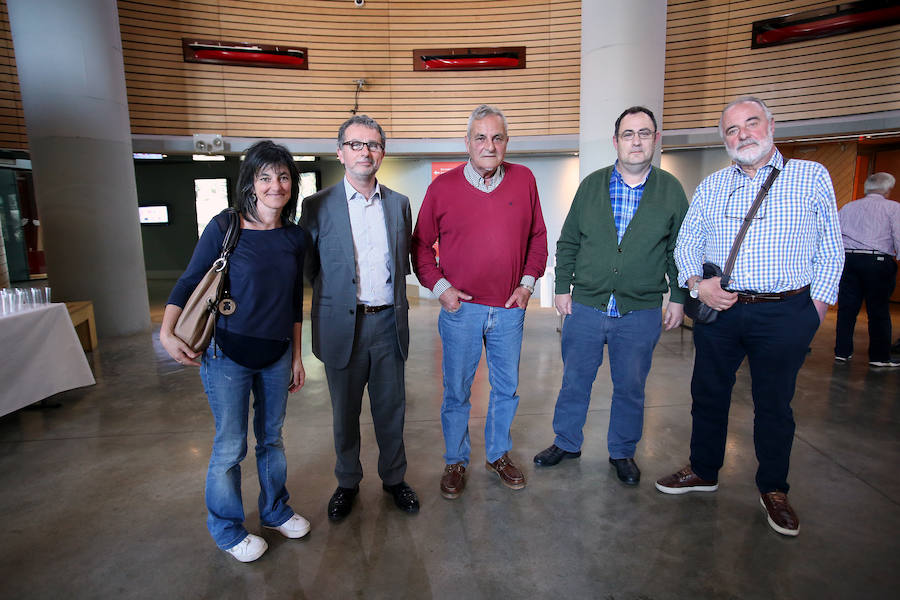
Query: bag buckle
{"x": 220, "y": 264}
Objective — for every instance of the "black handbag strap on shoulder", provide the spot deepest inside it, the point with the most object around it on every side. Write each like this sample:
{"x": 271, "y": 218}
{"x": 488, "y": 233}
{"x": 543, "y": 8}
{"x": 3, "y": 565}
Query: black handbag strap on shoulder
{"x": 732, "y": 256}
{"x": 232, "y": 234}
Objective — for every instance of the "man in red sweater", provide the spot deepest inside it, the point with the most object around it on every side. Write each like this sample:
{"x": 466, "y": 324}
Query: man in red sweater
{"x": 487, "y": 217}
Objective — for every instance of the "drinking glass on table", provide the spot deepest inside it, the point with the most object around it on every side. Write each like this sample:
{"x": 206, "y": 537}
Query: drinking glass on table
{"x": 47, "y": 295}
{"x": 19, "y": 304}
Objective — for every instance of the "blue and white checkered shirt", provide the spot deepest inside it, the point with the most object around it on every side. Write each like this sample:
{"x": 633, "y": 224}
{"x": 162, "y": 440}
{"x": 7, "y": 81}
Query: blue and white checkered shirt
{"x": 625, "y": 200}
{"x": 793, "y": 241}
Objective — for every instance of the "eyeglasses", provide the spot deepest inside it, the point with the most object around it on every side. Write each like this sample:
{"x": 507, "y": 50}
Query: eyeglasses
{"x": 357, "y": 145}
{"x": 644, "y": 134}
{"x": 739, "y": 201}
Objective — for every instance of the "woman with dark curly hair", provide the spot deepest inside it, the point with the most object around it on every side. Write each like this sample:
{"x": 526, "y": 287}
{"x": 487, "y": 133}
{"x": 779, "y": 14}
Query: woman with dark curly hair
{"x": 255, "y": 348}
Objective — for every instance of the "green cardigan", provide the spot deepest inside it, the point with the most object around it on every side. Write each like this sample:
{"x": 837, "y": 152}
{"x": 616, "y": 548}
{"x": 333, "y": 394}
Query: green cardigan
{"x": 589, "y": 259}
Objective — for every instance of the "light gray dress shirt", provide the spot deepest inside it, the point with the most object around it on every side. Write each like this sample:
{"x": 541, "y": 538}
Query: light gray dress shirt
{"x": 370, "y": 247}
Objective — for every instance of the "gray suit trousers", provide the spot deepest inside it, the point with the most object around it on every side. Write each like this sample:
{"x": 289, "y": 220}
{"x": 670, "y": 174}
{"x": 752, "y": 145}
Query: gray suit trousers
{"x": 375, "y": 360}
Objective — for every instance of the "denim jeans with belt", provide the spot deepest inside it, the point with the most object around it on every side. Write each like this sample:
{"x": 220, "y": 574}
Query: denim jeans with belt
{"x": 631, "y": 339}
{"x": 228, "y": 386}
{"x": 463, "y": 332}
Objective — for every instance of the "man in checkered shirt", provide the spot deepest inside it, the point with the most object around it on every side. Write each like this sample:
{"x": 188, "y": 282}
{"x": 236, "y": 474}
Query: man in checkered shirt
{"x": 786, "y": 274}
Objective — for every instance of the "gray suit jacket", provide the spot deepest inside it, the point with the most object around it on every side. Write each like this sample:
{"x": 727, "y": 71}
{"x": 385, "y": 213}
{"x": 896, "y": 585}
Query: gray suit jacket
{"x": 331, "y": 269}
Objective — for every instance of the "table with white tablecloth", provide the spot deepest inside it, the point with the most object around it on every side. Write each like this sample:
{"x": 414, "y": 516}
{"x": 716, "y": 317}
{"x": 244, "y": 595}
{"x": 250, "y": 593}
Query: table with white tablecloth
{"x": 40, "y": 355}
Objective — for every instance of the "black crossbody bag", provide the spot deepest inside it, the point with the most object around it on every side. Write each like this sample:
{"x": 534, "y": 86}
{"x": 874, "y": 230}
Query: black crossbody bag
{"x": 700, "y": 312}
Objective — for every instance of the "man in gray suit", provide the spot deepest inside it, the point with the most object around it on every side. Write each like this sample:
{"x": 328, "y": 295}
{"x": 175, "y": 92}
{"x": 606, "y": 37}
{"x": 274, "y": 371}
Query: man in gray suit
{"x": 357, "y": 263}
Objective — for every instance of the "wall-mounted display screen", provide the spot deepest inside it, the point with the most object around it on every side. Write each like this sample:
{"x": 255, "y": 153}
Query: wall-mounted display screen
{"x": 153, "y": 214}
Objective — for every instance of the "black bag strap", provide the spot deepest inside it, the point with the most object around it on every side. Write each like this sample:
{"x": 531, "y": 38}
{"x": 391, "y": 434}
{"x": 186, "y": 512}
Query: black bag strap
{"x": 232, "y": 235}
{"x": 732, "y": 256}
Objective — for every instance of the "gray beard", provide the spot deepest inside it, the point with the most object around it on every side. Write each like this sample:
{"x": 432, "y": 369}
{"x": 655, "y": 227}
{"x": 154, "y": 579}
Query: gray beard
{"x": 762, "y": 148}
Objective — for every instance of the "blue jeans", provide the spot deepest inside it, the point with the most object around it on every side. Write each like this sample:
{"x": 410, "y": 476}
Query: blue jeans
{"x": 631, "y": 339}
{"x": 463, "y": 333}
{"x": 228, "y": 386}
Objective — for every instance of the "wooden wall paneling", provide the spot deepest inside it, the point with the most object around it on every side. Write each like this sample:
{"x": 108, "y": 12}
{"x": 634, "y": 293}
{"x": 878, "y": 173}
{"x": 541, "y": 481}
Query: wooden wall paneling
{"x": 12, "y": 120}
{"x": 838, "y": 157}
{"x": 709, "y": 62}
{"x": 346, "y": 43}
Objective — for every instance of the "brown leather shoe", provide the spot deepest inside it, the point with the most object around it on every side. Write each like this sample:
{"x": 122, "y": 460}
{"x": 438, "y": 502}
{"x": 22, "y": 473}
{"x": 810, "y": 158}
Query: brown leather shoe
{"x": 685, "y": 481}
{"x": 779, "y": 514}
{"x": 453, "y": 481}
{"x": 509, "y": 473}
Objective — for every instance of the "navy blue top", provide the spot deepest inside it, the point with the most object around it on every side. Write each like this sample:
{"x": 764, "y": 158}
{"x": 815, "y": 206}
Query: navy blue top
{"x": 265, "y": 274}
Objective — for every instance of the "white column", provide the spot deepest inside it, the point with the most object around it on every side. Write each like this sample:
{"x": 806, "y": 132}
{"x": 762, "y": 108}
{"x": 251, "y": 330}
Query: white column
{"x": 72, "y": 80}
{"x": 623, "y": 57}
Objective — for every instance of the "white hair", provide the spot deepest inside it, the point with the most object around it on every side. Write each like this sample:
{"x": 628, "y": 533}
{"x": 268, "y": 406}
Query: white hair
{"x": 744, "y": 100}
{"x": 485, "y": 110}
{"x": 879, "y": 183}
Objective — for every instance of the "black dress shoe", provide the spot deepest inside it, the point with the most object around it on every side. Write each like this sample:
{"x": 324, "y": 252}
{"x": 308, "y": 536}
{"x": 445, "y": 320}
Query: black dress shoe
{"x": 404, "y": 496}
{"x": 627, "y": 470}
{"x": 341, "y": 503}
{"x": 552, "y": 455}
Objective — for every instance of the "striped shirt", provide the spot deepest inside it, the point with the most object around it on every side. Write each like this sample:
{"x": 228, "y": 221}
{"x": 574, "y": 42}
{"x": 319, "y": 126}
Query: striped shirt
{"x": 793, "y": 241}
{"x": 625, "y": 200}
{"x": 871, "y": 223}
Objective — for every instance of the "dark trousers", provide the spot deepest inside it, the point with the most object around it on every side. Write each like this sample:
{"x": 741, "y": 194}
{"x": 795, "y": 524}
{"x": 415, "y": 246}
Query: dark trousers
{"x": 869, "y": 277}
{"x": 375, "y": 361}
{"x": 774, "y": 338}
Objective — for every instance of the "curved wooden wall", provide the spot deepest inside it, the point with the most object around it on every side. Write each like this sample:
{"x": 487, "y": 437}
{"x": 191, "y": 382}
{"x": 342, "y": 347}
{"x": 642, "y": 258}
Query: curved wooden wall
{"x": 12, "y": 120}
{"x": 375, "y": 43}
{"x": 709, "y": 62}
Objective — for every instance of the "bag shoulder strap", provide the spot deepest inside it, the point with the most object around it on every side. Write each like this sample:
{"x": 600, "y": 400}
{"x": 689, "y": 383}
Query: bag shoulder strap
{"x": 232, "y": 234}
{"x": 754, "y": 208}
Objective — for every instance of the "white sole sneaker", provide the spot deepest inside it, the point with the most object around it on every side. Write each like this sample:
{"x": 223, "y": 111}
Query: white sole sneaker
{"x": 685, "y": 490}
{"x": 884, "y": 363}
{"x": 249, "y": 549}
{"x": 295, "y": 527}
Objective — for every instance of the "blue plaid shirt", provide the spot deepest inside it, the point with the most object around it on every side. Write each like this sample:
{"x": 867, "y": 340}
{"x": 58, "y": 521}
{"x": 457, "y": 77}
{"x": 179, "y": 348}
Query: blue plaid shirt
{"x": 625, "y": 200}
{"x": 793, "y": 241}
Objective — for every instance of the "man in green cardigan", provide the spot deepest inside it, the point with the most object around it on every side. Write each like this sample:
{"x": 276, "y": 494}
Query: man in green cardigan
{"x": 612, "y": 259}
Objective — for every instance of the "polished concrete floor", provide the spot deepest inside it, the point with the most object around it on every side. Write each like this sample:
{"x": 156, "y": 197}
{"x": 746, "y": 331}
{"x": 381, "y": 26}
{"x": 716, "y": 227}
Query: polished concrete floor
{"x": 103, "y": 496}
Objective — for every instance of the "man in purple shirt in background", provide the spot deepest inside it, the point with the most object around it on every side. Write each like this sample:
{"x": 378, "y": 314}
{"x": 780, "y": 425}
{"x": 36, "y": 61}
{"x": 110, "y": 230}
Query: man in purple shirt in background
{"x": 870, "y": 228}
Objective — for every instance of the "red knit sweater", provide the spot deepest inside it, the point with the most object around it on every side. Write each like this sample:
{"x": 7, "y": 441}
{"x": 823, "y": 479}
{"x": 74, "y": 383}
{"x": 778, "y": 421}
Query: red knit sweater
{"x": 487, "y": 240}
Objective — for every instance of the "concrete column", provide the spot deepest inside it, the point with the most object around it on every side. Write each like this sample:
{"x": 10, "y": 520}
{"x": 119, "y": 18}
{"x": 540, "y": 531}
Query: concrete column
{"x": 72, "y": 80}
{"x": 623, "y": 56}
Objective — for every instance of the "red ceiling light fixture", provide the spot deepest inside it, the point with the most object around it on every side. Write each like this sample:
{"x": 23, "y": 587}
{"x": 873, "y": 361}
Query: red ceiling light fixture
{"x": 826, "y": 22}
{"x": 242, "y": 54}
{"x": 469, "y": 59}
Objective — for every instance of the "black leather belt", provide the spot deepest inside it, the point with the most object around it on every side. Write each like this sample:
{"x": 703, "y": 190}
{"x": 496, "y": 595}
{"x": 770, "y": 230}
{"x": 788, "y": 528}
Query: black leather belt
{"x": 754, "y": 298}
{"x": 369, "y": 310}
{"x": 870, "y": 252}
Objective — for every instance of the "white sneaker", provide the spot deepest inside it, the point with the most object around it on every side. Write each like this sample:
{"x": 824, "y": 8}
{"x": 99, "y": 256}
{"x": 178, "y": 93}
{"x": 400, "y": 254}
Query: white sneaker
{"x": 249, "y": 549}
{"x": 295, "y": 527}
{"x": 884, "y": 363}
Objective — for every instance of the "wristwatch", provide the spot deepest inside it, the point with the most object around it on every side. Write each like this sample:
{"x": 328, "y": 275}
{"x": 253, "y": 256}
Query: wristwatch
{"x": 530, "y": 288}
{"x": 695, "y": 289}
